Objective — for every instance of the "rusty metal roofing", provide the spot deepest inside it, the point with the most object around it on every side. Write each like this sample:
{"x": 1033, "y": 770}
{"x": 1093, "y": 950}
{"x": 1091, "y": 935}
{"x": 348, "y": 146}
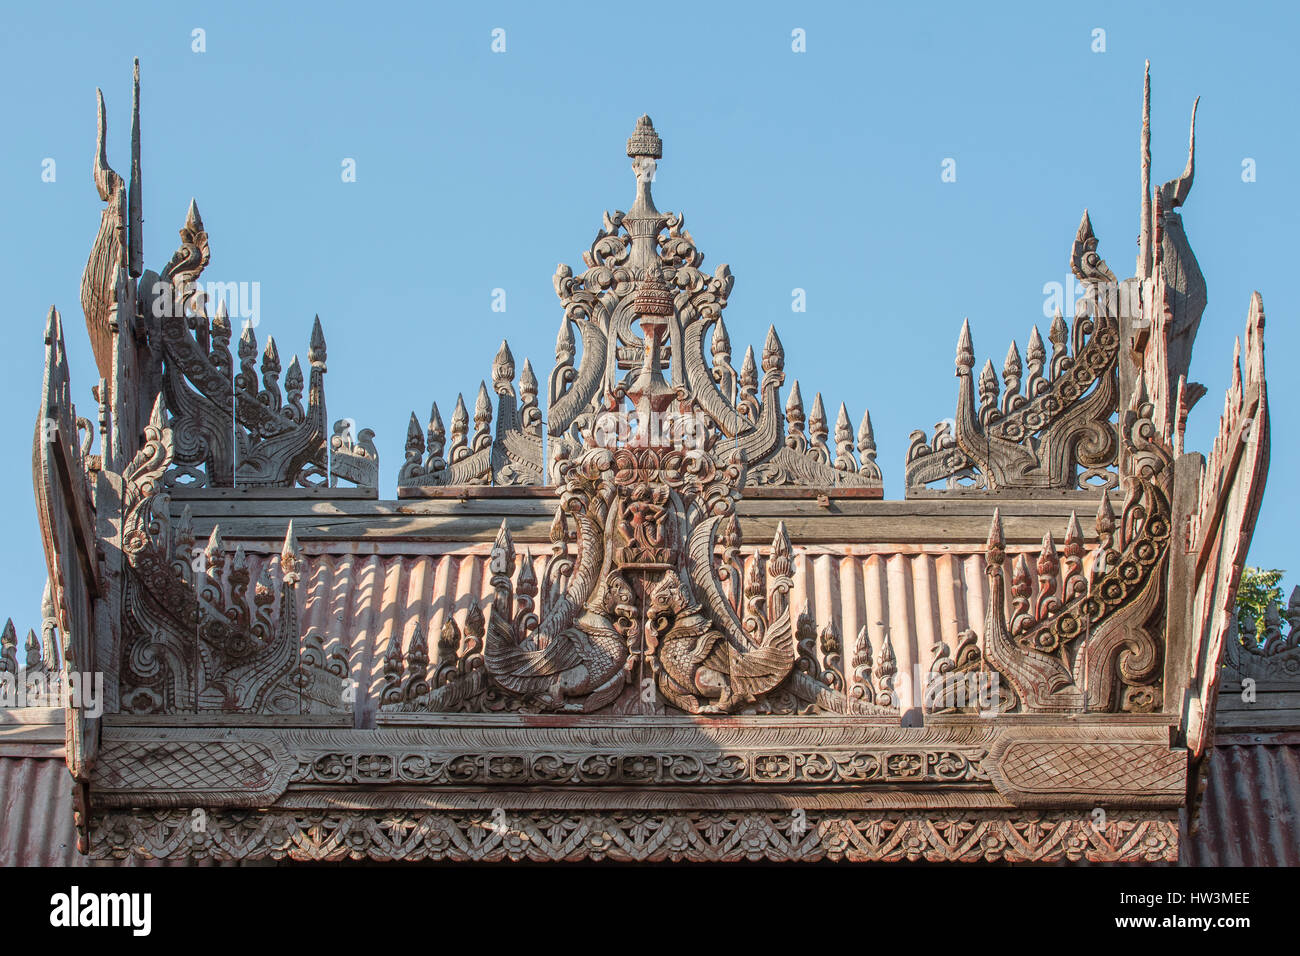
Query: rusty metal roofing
{"x": 358, "y": 602}
{"x": 1251, "y": 810}
{"x": 36, "y": 813}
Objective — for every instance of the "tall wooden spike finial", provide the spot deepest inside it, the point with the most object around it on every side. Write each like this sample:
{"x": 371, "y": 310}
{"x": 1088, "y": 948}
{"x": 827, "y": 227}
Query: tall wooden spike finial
{"x": 135, "y": 210}
{"x": 1144, "y": 236}
{"x": 995, "y": 548}
{"x": 965, "y": 348}
{"x": 316, "y": 348}
{"x": 773, "y": 352}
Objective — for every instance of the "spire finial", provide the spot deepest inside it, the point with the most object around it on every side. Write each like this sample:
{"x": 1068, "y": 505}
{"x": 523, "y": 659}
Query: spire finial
{"x": 135, "y": 213}
{"x": 644, "y": 141}
{"x": 1144, "y": 236}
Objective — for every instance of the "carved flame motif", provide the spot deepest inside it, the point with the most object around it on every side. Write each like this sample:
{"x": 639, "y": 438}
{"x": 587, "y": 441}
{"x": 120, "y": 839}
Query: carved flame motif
{"x": 246, "y": 655}
{"x": 732, "y": 412}
{"x": 269, "y": 439}
{"x": 1084, "y": 644}
{"x": 1048, "y": 424}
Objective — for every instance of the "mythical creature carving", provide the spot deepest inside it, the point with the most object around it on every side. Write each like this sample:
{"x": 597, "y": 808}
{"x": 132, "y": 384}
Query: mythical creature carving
{"x": 1037, "y": 436}
{"x": 194, "y": 639}
{"x": 656, "y": 608}
{"x": 1082, "y": 641}
{"x": 228, "y": 430}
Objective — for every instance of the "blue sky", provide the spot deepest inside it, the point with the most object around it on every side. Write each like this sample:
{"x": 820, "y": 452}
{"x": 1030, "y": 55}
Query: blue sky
{"x": 478, "y": 171}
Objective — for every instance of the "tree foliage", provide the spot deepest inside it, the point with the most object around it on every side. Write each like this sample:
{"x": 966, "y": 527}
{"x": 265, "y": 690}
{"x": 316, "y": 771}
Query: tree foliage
{"x": 1258, "y": 587}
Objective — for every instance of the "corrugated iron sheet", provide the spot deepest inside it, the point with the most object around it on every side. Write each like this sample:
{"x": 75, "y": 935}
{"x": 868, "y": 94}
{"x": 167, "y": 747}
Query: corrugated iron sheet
{"x": 36, "y": 802}
{"x": 359, "y": 602}
{"x": 1251, "y": 810}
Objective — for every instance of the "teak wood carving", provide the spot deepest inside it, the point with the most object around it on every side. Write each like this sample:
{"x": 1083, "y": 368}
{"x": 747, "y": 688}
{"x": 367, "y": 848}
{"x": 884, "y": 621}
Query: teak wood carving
{"x": 712, "y": 654}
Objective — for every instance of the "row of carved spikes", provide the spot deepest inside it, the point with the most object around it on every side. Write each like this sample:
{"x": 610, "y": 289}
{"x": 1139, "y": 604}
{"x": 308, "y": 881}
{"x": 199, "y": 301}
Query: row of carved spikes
{"x": 291, "y": 560}
{"x": 246, "y": 380}
{"x": 407, "y": 676}
{"x": 1272, "y": 641}
{"x": 1013, "y": 370}
{"x": 1060, "y": 575}
{"x": 742, "y": 390}
{"x": 818, "y": 431}
{"x": 1230, "y": 422}
{"x": 874, "y": 686}
{"x": 38, "y": 657}
{"x": 430, "y": 444}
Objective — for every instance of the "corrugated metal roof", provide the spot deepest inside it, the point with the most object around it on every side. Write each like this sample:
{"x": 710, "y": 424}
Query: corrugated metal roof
{"x": 1250, "y": 814}
{"x": 358, "y": 602}
{"x": 36, "y": 802}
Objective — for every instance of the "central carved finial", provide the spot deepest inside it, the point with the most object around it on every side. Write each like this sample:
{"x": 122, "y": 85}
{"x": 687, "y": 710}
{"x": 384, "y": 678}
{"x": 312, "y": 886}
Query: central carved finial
{"x": 643, "y": 219}
{"x": 644, "y": 141}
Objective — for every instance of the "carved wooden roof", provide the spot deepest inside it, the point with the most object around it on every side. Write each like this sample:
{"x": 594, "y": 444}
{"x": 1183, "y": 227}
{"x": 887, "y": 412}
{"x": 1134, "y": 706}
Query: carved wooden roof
{"x": 647, "y": 617}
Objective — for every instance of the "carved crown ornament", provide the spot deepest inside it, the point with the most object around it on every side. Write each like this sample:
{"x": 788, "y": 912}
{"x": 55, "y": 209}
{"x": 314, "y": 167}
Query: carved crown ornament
{"x": 665, "y": 587}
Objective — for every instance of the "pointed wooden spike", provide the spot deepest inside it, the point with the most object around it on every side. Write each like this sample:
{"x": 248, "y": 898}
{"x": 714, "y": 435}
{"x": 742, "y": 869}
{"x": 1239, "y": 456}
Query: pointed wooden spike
{"x": 749, "y": 369}
{"x": 818, "y": 413}
{"x": 1047, "y": 555}
{"x": 215, "y": 544}
{"x": 527, "y": 576}
{"x": 995, "y": 546}
{"x": 794, "y": 403}
{"x": 866, "y": 435}
{"x": 773, "y": 352}
{"x": 1011, "y": 367}
{"x": 965, "y": 346}
{"x": 448, "y": 640}
{"x": 316, "y": 347}
{"x": 158, "y": 414}
{"x": 1035, "y": 351}
{"x": 290, "y": 548}
{"x": 503, "y": 366}
{"x": 527, "y": 377}
{"x": 1105, "y": 516}
{"x": 1073, "y": 533}
{"x": 504, "y": 544}
{"x": 564, "y": 343}
{"x": 781, "y": 540}
{"x": 720, "y": 344}
{"x": 483, "y": 405}
{"x": 475, "y": 624}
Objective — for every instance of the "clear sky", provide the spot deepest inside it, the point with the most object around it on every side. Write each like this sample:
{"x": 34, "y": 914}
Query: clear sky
{"x": 479, "y": 170}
